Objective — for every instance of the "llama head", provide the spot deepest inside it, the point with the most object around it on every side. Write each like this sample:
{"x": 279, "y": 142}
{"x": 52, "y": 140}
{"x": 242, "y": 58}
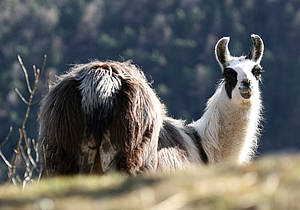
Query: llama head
{"x": 241, "y": 74}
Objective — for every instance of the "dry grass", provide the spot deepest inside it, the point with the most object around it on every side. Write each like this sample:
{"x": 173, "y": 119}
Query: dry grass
{"x": 270, "y": 183}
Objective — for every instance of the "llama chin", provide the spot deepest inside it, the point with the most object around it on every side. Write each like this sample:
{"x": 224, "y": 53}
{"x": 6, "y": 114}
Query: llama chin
{"x": 104, "y": 115}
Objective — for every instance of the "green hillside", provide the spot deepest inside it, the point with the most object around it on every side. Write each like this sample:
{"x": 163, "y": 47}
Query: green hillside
{"x": 269, "y": 183}
{"x": 171, "y": 40}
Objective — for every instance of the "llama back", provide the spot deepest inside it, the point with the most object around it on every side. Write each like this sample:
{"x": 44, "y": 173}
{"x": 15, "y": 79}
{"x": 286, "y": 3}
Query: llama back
{"x": 98, "y": 116}
{"x": 178, "y": 146}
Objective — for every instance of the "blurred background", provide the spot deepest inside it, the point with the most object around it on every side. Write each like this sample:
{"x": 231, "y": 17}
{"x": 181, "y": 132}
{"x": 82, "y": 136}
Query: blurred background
{"x": 171, "y": 40}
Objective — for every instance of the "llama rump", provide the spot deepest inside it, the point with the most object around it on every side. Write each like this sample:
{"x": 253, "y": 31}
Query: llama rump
{"x": 105, "y": 116}
{"x": 99, "y": 116}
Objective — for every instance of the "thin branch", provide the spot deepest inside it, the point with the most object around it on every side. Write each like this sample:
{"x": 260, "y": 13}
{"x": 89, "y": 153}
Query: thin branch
{"x": 7, "y": 137}
{"x": 38, "y": 73}
{"x": 36, "y": 150}
{"x": 30, "y": 164}
{"x": 37, "y": 101}
{"x": 21, "y": 134}
{"x": 46, "y": 84}
{"x": 23, "y": 155}
{"x": 44, "y": 64}
{"x": 1, "y": 145}
{"x": 22, "y": 129}
{"x": 25, "y": 73}
{"x": 5, "y": 160}
{"x": 21, "y": 96}
{"x": 28, "y": 151}
{"x": 25, "y": 139}
{"x": 14, "y": 181}
{"x": 34, "y": 71}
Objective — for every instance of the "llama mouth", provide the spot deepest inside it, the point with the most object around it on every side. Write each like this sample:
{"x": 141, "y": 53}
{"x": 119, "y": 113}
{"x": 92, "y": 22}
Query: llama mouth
{"x": 245, "y": 92}
{"x": 246, "y": 95}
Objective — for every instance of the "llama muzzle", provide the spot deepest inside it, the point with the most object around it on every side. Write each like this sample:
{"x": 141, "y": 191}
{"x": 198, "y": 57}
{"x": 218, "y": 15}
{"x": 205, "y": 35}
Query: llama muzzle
{"x": 245, "y": 89}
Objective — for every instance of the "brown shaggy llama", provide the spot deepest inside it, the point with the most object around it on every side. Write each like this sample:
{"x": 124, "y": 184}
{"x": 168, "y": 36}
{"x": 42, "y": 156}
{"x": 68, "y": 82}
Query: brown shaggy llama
{"x": 99, "y": 115}
{"x": 103, "y": 116}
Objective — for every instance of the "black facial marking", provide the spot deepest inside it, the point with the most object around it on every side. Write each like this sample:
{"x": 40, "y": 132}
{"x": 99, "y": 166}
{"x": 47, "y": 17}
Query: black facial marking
{"x": 230, "y": 77}
{"x": 257, "y": 71}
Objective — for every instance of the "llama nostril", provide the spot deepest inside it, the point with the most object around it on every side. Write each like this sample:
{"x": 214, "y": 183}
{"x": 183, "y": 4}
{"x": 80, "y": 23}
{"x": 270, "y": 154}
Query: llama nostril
{"x": 246, "y": 83}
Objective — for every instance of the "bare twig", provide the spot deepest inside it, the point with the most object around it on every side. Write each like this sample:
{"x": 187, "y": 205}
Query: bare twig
{"x": 7, "y": 137}
{"x": 44, "y": 64}
{"x": 34, "y": 71}
{"x": 25, "y": 73}
{"x": 5, "y": 160}
{"x": 25, "y": 139}
{"x": 27, "y": 173}
{"x": 21, "y": 96}
{"x": 30, "y": 163}
{"x": 36, "y": 147}
{"x": 30, "y": 142}
{"x": 24, "y": 157}
{"x": 37, "y": 101}
{"x": 1, "y": 145}
{"x": 46, "y": 84}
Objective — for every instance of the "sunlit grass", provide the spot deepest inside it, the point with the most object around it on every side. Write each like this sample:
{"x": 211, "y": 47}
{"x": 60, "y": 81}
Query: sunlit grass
{"x": 269, "y": 183}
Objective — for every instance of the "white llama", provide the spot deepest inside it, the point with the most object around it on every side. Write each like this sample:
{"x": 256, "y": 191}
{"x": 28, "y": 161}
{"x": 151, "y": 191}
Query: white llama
{"x": 230, "y": 125}
{"x": 229, "y": 128}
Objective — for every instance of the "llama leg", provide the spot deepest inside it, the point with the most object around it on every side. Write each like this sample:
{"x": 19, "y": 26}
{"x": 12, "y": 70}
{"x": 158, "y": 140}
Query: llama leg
{"x": 61, "y": 128}
{"x": 135, "y": 154}
{"x": 57, "y": 161}
{"x": 135, "y": 130}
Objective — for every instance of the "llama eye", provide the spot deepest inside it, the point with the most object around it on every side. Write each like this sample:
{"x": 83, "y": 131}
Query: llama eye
{"x": 257, "y": 71}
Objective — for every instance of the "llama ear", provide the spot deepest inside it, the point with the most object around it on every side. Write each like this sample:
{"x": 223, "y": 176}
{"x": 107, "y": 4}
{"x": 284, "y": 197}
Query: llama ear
{"x": 222, "y": 52}
{"x": 257, "y": 50}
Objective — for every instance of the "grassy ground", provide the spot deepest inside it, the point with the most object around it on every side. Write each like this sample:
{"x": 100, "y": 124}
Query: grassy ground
{"x": 269, "y": 183}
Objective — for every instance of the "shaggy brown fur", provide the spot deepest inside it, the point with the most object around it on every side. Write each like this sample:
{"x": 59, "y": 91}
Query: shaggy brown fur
{"x": 95, "y": 102}
{"x": 62, "y": 128}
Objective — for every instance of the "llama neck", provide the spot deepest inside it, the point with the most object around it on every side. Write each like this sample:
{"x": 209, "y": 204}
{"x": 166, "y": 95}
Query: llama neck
{"x": 229, "y": 131}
